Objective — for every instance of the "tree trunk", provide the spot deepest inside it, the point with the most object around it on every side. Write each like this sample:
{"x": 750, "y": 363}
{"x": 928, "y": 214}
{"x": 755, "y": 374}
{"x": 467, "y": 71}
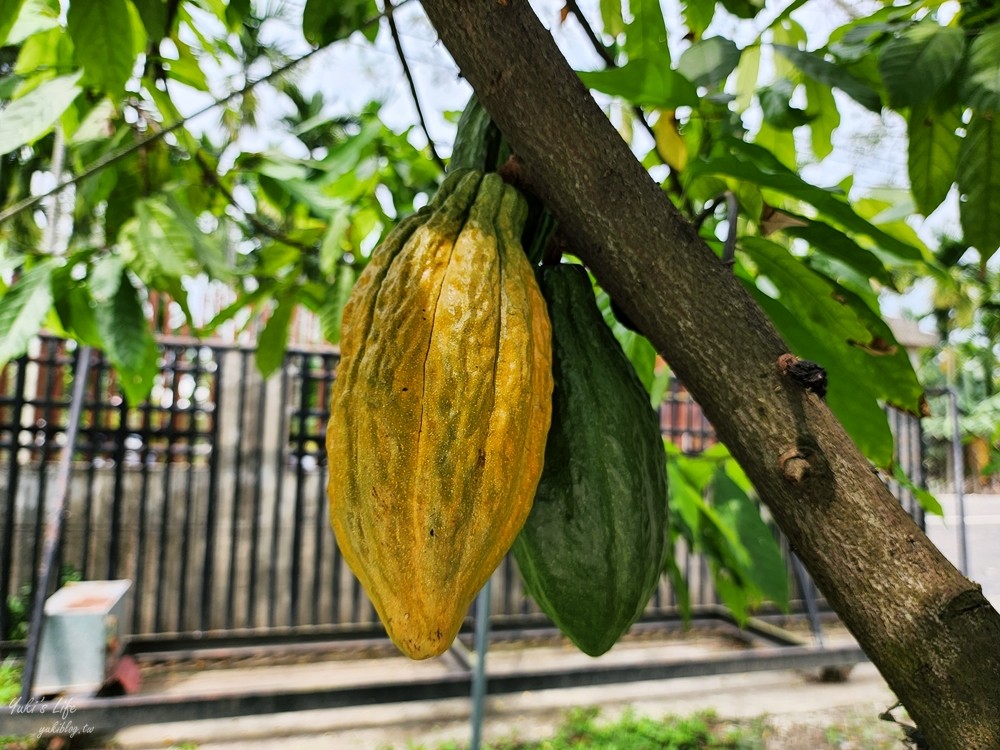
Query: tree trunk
{"x": 929, "y": 630}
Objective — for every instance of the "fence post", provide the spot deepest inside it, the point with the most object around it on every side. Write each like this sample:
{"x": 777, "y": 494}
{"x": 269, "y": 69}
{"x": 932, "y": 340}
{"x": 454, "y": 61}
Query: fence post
{"x": 53, "y": 528}
{"x": 479, "y": 676}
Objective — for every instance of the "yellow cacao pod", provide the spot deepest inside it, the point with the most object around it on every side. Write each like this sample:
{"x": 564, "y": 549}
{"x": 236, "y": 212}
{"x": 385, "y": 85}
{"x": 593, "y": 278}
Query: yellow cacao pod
{"x": 440, "y": 409}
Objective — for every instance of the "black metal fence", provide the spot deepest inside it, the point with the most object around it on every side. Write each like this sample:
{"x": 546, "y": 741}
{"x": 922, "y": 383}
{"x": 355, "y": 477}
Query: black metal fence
{"x": 211, "y": 495}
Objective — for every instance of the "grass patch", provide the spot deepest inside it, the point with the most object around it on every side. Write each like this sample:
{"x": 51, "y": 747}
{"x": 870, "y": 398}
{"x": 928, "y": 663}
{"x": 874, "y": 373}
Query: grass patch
{"x": 582, "y": 730}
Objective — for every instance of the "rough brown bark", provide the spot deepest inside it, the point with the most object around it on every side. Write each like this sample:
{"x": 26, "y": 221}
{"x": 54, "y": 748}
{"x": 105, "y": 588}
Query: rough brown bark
{"x": 928, "y": 629}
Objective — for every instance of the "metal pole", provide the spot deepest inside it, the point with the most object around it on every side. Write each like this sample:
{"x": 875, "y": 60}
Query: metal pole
{"x": 54, "y": 523}
{"x": 809, "y": 596}
{"x": 479, "y": 676}
{"x": 958, "y": 469}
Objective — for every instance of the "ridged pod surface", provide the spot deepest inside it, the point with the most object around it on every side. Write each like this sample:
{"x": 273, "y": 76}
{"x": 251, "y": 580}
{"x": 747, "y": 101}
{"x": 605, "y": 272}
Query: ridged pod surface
{"x": 440, "y": 409}
{"x": 593, "y": 547}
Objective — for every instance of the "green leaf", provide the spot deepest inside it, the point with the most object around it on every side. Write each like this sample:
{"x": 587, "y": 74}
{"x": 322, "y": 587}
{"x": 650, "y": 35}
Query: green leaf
{"x": 709, "y": 62}
{"x": 154, "y": 17}
{"x": 926, "y": 500}
{"x": 73, "y": 303}
{"x": 824, "y": 116}
{"x": 833, "y": 75}
{"x": 698, "y": 14}
{"x": 979, "y": 182}
{"x": 35, "y": 17}
{"x": 273, "y": 340}
{"x": 106, "y": 275}
{"x": 9, "y": 10}
{"x": 332, "y": 312}
{"x": 324, "y": 22}
{"x": 980, "y": 85}
{"x": 154, "y": 245}
{"x": 779, "y": 143}
{"x": 236, "y": 11}
{"x": 334, "y": 240}
{"x": 776, "y": 102}
{"x": 764, "y": 566}
{"x": 128, "y": 341}
{"x": 102, "y": 36}
{"x": 646, "y": 82}
{"x": 611, "y": 17}
{"x": 26, "y": 119}
{"x": 933, "y": 154}
{"x": 915, "y": 65}
{"x": 835, "y": 244}
{"x": 646, "y": 35}
{"x": 800, "y": 285}
{"x": 686, "y": 501}
{"x": 95, "y": 125}
{"x": 750, "y": 162}
{"x": 743, "y": 8}
{"x": 23, "y": 308}
{"x": 747, "y": 72}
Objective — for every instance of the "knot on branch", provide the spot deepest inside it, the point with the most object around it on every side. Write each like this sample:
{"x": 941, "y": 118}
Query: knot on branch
{"x": 794, "y": 464}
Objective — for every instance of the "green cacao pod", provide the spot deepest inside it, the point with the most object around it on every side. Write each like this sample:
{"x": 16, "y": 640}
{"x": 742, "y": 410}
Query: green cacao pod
{"x": 593, "y": 547}
{"x": 440, "y": 409}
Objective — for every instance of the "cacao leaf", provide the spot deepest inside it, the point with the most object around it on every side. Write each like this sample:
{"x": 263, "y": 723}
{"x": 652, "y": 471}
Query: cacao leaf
{"x": 646, "y": 82}
{"x": 832, "y": 75}
{"x": 709, "y": 62}
{"x": 932, "y": 157}
{"x": 979, "y": 181}
{"x": 128, "y": 341}
{"x": 980, "y": 85}
{"x": 916, "y": 64}
{"x": 9, "y": 10}
{"x": 103, "y": 39}
{"x": 23, "y": 308}
{"x": 27, "y": 119}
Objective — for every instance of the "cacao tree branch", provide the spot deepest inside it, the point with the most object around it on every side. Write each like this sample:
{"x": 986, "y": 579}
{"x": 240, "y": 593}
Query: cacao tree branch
{"x": 928, "y": 629}
{"x": 609, "y": 60}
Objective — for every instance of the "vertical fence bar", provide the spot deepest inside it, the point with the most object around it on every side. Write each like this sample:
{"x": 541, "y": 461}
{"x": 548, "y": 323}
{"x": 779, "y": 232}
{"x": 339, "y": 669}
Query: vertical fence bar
{"x": 281, "y": 444}
{"x": 234, "y": 535}
{"x": 93, "y": 407}
{"x": 189, "y": 434}
{"x": 10, "y": 509}
{"x": 211, "y": 512}
{"x": 169, "y": 380}
{"x": 299, "y": 508}
{"x": 322, "y": 526}
{"x": 138, "y": 585}
{"x": 117, "y": 498}
{"x": 257, "y": 496}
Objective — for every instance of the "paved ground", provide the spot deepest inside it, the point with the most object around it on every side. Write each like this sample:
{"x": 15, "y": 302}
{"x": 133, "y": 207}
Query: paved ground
{"x": 982, "y": 529}
{"x": 791, "y": 697}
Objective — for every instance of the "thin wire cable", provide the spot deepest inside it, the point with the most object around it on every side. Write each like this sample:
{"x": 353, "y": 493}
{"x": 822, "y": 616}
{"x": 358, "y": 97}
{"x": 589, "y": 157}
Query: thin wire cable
{"x": 413, "y": 86}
